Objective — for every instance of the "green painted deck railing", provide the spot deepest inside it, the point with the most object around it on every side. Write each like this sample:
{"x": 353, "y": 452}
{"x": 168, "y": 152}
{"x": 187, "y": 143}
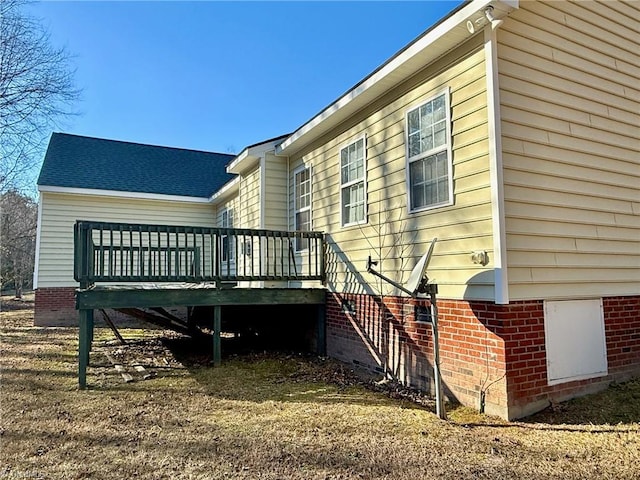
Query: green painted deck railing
{"x": 124, "y": 252}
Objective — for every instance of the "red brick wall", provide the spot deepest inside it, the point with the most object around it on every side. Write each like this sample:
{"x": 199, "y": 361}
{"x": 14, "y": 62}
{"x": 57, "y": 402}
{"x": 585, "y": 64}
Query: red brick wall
{"x": 491, "y": 352}
{"x": 622, "y": 328}
{"x": 55, "y": 306}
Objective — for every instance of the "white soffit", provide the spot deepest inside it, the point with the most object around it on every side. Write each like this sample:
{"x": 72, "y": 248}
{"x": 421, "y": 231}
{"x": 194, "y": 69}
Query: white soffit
{"x": 433, "y": 44}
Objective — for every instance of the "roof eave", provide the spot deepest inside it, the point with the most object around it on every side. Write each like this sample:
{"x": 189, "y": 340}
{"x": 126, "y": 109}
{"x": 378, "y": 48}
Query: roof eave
{"x": 121, "y": 194}
{"x": 433, "y": 44}
{"x": 251, "y": 155}
{"x": 224, "y": 192}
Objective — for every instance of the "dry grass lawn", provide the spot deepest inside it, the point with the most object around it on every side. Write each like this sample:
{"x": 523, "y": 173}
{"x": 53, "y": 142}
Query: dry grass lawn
{"x": 271, "y": 417}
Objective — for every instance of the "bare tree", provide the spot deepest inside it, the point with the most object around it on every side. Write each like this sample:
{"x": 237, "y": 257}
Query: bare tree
{"x": 18, "y": 216}
{"x": 36, "y": 92}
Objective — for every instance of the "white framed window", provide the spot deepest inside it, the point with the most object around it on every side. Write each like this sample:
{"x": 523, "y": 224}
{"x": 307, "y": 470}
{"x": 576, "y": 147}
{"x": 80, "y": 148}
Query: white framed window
{"x": 302, "y": 204}
{"x": 353, "y": 182}
{"x": 227, "y": 240}
{"x": 429, "y": 163}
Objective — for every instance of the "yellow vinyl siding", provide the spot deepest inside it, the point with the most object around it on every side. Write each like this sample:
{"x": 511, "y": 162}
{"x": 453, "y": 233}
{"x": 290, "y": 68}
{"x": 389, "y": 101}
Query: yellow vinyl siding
{"x": 249, "y": 203}
{"x": 391, "y": 233}
{"x": 60, "y": 212}
{"x": 275, "y": 192}
{"x": 570, "y": 108}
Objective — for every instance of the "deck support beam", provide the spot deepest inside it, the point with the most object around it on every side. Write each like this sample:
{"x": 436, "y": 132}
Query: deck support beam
{"x": 217, "y": 345}
{"x": 85, "y": 334}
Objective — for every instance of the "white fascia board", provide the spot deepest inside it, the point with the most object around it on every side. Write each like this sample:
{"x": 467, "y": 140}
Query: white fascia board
{"x": 227, "y": 189}
{"x": 237, "y": 163}
{"x": 119, "y": 194}
{"x": 445, "y": 36}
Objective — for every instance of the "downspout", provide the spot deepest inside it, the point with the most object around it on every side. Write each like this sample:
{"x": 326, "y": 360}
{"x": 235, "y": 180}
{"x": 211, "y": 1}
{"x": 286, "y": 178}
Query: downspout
{"x": 501, "y": 283}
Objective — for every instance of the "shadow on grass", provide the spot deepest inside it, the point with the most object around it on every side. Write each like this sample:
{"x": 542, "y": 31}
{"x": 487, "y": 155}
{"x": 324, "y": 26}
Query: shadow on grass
{"x": 618, "y": 404}
{"x": 260, "y": 375}
{"x": 615, "y": 410}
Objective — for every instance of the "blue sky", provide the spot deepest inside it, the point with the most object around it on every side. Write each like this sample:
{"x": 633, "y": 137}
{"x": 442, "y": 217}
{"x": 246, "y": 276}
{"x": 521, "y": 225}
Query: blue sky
{"x": 219, "y": 76}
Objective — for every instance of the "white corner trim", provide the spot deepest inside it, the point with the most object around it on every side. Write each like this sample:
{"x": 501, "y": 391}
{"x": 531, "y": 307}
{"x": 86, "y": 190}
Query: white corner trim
{"x": 38, "y": 234}
{"x": 119, "y": 194}
{"x": 501, "y": 279}
{"x": 263, "y": 187}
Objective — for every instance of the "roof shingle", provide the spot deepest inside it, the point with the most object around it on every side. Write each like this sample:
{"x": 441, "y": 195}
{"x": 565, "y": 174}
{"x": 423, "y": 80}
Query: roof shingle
{"x": 94, "y": 163}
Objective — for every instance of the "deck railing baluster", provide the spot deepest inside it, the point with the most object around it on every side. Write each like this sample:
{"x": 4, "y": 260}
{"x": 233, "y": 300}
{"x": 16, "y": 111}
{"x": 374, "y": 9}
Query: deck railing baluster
{"x": 118, "y": 252}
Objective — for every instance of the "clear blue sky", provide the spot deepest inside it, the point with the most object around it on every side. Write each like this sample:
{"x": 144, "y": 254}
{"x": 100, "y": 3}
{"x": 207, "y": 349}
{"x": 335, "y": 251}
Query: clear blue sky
{"x": 219, "y": 76}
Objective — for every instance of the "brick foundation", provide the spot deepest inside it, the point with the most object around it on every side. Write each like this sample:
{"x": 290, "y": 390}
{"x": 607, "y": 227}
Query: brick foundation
{"x": 492, "y": 356}
{"x": 55, "y": 307}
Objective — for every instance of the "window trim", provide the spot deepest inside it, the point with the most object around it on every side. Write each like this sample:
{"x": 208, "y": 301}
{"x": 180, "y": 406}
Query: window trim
{"x": 364, "y": 221}
{"x": 446, "y": 92}
{"x": 230, "y": 246}
{"x": 296, "y": 171}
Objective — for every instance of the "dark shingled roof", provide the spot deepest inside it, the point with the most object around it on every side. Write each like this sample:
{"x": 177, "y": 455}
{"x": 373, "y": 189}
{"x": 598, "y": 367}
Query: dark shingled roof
{"x": 95, "y": 163}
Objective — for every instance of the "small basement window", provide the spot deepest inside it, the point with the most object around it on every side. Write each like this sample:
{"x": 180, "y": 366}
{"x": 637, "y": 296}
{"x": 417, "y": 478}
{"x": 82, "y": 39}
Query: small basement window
{"x": 575, "y": 340}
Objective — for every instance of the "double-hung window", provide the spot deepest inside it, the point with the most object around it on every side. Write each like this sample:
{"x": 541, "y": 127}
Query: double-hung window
{"x": 302, "y": 204}
{"x": 428, "y": 131}
{"x": 227, "y": 240}
{"x": 353, "y": 189}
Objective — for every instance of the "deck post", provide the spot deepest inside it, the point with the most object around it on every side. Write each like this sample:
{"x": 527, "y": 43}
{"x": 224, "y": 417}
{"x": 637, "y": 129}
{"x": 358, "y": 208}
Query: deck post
{"x": 217, "y": 347}
{"x": 85, "y": 333}
{"x": 321, "y": 333}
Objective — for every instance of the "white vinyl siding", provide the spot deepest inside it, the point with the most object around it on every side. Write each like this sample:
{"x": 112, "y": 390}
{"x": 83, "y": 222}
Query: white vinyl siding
{"x": 60, "y": 212}
{"x": 570, "y": 108}
{"x": 429, "y": 154}
{"x": 353, "y": 185}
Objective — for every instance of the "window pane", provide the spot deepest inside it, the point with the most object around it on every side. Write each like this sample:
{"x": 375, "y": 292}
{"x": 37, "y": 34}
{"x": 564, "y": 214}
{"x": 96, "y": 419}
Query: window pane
{"x": 429, "y": 180}
{"x": 427, "y": 142}
{"x": 414, "y": 144}
{"x": 417, "y": 173}
{"x": 360, "y": 149}
{"x": 426, "y": 115}
{"x": 353, "y": 203}
{"x": 439, "y": 109}
{"x": 439, "y": 134}
{"x": 414, "y": 121}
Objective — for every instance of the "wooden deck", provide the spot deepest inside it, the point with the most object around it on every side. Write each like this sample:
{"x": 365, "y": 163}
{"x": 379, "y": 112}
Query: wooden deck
{"x": 123, "y": 266}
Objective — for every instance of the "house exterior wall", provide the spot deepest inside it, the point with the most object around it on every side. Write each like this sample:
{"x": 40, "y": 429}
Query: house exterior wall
{"x": 54, "y": 304}
{"x": 249, "y": 201}
{"x": 570, "y": 107}
{"x": 569, "y": 104}
{"x": 275, "y": 192}
{"x": 391, "y": 233}
{"x": 492, "y": 357}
